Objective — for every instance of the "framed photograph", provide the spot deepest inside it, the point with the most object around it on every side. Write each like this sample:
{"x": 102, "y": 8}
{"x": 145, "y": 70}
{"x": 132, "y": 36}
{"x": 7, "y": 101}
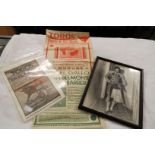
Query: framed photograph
{"x": 115, "y": 91}
{"x": 32, "y": 87}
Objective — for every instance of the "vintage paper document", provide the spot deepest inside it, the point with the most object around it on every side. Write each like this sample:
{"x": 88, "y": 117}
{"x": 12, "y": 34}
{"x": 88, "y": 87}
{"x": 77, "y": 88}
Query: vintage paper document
{"x": 68, "y": 46}
{"x": 32, "y": 89}
{"x": 71, "y": 55}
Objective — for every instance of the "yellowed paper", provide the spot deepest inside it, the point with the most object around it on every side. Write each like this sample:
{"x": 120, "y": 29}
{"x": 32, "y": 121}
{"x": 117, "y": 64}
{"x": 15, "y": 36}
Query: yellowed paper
{"x": 72, "y": 57}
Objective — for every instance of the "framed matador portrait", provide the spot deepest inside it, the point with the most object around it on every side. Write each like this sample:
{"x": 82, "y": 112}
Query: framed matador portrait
{"x": 115, "y": 91}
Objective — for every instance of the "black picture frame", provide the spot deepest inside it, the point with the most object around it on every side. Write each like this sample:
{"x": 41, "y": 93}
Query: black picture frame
{"x": 139, "y": 124}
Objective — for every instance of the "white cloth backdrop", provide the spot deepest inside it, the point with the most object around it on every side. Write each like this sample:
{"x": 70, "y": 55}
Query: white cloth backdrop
{"x": 136, "y": 52}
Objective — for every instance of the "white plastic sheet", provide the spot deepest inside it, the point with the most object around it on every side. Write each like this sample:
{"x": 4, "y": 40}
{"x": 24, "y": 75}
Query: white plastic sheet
{"x": 136, "y": 52}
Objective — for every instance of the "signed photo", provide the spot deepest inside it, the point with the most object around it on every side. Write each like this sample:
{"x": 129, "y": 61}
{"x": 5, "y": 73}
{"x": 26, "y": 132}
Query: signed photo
{"x": 114, "y": 91}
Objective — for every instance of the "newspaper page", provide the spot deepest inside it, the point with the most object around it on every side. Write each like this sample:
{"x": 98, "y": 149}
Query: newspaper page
{"x": 71, "y": 55}
{"x": 32, "y": 89}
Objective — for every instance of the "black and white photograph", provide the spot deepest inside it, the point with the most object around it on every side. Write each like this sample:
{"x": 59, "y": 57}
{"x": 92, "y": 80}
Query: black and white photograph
{"x": 114, "y": 91}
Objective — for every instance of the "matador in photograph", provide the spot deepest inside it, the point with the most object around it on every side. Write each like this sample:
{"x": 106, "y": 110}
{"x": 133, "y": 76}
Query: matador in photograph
{"x": 115, "y": 88}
